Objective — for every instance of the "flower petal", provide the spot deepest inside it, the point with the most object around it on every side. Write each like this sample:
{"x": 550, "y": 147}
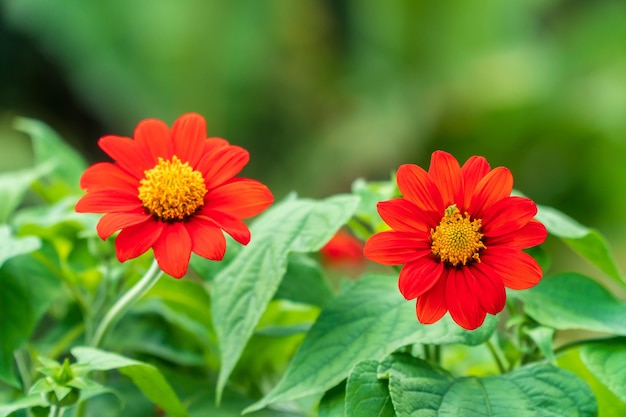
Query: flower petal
{"x": 107, "y": 201}
{"x": 446, "y": 173}
{"x": 207, "y": 239}
{"x": 172, "y": 250}
{"x": 127, "y": 154}
{"x": 222, "y": 165}
{"x": 230, "y": 224}
{"x": 105, "y": 175}
{"x": 419, "y": 276}
{"x": 507, "y": 215}
{"x": 402, "y": 215}
{"x": 495, "y": 186}
{"x": 431, "y": 306}
{"x": 189, "y": 134}
{"x": 418, "y": 187}
{"x": 395, "y": 248}
{"x": 532, "y": 234}
{"x": 112, "y": 222}
{"x": 464, "y": 307}
{"x": 518, "y": 270}
{"x": 239, "y": 197}
{"x": 488, "y": 288}
{"x": 153, "y": 137}
{"x": 135, "y": 240}
{"x": 473, "y": 170}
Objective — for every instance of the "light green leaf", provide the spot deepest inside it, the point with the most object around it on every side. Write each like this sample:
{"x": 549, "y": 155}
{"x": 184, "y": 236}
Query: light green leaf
{"x": 587, "y": 242}
{"x": 146, "y": 377}
{"x": 35, "y": 400}
{"x": 418, "y": 389}
{"x": 543, "y": 337}
{"x": 574, "y": 301}
{"x": 607, "y": 362}
{"x": 304, "y": 272}
{"x": 242, "y": 290}
{"x": 11, "y": 246}
{"x": 366, "y": 395}
{"x": 13, "y": 187}
{"x": 368, "y": 321}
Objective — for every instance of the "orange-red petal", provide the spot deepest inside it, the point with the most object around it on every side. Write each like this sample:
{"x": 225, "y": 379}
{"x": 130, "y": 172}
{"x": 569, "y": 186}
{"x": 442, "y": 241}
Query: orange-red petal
{"x": 230, "y": 224}
{"x": 495, "y": 186}
{"x": 431, "y": 306}
{"x": 418, "y": 187}
{"x": 239, "y": 197}
{"x": 446, "y": 173}
{"x": 172, "y": 250}
{"x": 154, "y": 138}
{"x": 402, "y": 215}
{"x": 532, "y": 234}
{"x": 464, "y": 307}
{"x": 112, "y": 222}
{"x": 207, "y": 239}
{"x": 127, "y": 154}
{"x": 107, "y": 201}
{"x": 105, "y": 175}
{"x": 507, "y": 215}
{"x": 222, "y": 165}
{"x": 395, "y": 248}
{"x": 488, "y": 288}
{"x": 419, "y": 276}
{"x": 189, "y": 135}
{"x": 473, "y": 170}
{"x": 517, "y": 270}
{"x": 135, "y": 240}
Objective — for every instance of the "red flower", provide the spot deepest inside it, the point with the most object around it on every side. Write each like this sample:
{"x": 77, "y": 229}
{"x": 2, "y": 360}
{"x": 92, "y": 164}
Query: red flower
{"x": 343, "y": 253}
{"x": 173, "y": 191}
{"x": 460, "y": 234}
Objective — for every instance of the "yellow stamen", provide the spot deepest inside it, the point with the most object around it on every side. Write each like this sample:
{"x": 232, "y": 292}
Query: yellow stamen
{"x": 457, "y": 239}
{"x": 172, "y": 190}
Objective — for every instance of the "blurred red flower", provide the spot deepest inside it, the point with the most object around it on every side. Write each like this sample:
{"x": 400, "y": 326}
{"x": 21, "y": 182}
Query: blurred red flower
{"x": 460, "y": 234}
{"x": 344, "y": 253}
{"x": 172, "y": 190}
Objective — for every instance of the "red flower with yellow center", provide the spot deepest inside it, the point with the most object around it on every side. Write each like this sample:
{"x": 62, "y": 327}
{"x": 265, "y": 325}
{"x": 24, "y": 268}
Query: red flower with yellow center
{"x": 460, "y": 235}
{"x": 174, "y": 191}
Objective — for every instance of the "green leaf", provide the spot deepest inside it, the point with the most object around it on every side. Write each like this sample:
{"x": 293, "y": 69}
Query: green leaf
{"x": 50, "y": 149}
{"x": 27, "y": 290}
{"x": 587, "y": 242}
{"x": 607, "y": 362}
{"x": 146, "y": 377}
{"x": 574, "y": 301}
{"x": 543, "y": 338}
{"x": 304, "y": 272}
{"x": 368, "y": 321}
{"x": 366, "y": 395}
{"x": 417, "y": 388}
{"x": 11, "y": 246}
{"x": 13, "y": 187}
{"x": 242, "y": 290}
{"x": 35, "y": 400}
{"x": 332, "y": 403}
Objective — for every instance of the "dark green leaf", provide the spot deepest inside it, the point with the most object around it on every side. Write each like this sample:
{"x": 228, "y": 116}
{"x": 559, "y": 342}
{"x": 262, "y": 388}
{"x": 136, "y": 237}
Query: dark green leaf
{"x": 368, "y": 321}
{"x": 366, "y": 395}
{"x": 304, "y": 282}
{"x": 242, "y": 290}
{"x": 332, "y": 403}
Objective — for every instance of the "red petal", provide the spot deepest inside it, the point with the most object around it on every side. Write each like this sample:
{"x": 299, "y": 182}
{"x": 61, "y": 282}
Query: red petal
{"x": 402, "y": 215}
{"x": 230, "y": 224}
{"x": 507, "y": 215}
{"x": 395, "y": 248}
{"x": 222, "y": 165}
{"x": 419, "y": 276}
{"x": 517, "y": 270}
{"x": 473, "y": 171}
{"x": 464, "y": 307}
{"x": 189, "y": 134}
{"x": 239, "y": 197}
{"x": 172, "y": 250}
{"x": 488, "y": 288}
{"x": 213, "y": 144}
{"x": 135, "y": 240}
{"x": 495, "y": 186}
{"x": 207, "y": 239}
{"x": 127, "y": 154}
{"x": 446, "y": 173}
{"x": 105, "y": 175}
{"x": 532, "y": 234}
{"x": 153, "y": 137}
{"x": 431, "y": 306}
{"x": 418, "y": 187}
{"x": 112, "y": 222}
{"x": 107, "y": 201}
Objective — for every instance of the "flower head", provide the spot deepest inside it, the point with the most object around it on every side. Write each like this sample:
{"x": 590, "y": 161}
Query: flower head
{"x": 173, "y": 190}
{"x": 343, "y": 253}
{"x": 460, "y": 234}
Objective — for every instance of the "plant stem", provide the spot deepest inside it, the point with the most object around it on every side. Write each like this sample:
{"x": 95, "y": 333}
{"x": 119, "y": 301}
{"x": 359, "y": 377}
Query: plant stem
{"x": 125, "y": 302}
{"x": 55, "y": 411}
{"x": 496, "y": 356}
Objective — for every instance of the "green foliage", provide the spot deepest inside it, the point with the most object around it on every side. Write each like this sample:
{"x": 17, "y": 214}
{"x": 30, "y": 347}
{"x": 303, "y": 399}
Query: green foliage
{"x": 366, "y": 395}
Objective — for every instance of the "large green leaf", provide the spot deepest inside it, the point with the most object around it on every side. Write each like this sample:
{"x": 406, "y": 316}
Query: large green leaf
{"x": 304, "y": 272}
{"x": 574, "y": 301}
{"x": 366, "y": 395}
{"x": 607, "y": 362}
{"x": 146, "y": 377}
{"x": 13, "y": 187}
{"x": 11, "y": 246}
{"x": 30, "y": 401}
{"x": 585, "y": 241}
{"x": 332, "y": 403}
{"x": 27, "y": 288}
{"x": 418, "y": 389}
{"x": 368, "y": 321}
{"x": 242, "y": 290}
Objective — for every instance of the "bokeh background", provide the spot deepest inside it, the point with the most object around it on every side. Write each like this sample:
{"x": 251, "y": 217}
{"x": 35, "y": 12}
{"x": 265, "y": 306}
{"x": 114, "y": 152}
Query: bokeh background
{"x": 323, "y": 92}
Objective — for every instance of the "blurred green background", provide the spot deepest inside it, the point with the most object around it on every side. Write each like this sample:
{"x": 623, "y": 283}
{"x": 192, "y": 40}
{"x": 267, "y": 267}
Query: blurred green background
{"x": 323, "y": 92}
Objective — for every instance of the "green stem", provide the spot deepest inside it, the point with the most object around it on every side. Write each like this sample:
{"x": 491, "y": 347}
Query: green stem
{"x": 496, "y": 356}
{"x": 55, "y": 411}
{"x": 123, "y": 304}
{"x": 22, "y": 368}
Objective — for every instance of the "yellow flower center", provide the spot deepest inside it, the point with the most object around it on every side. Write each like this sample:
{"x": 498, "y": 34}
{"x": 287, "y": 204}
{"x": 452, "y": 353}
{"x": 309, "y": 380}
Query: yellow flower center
{"x": 172, "y": 191}
{"x": 457, "y": 239}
